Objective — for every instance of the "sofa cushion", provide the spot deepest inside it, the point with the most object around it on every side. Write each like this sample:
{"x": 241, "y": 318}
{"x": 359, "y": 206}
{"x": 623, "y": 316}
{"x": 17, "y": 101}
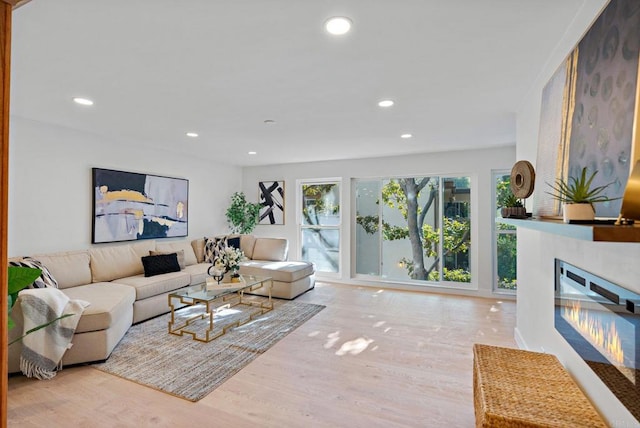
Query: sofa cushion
{"x": 273, "y": 249}
{"x": 159, "y": 264}
{"x": 179, "y": 255}
{"x": 176, "y": 247}
{"x": 198, "y": 272}
{"x": 70, "y": 269}
{"x": 278, "y": 271}
{"x": 152, "y": 286}
{"x": 210, "y": 249}
{"x": 45, "y": 279}
{"x": 214, "y": 246}
{"x": 198, "y": 249}
{"x": 109, "y": 303}
{"x": 142, "y": 247}
{"x": 247, "y": 243}
{"x": 113, "y": 262}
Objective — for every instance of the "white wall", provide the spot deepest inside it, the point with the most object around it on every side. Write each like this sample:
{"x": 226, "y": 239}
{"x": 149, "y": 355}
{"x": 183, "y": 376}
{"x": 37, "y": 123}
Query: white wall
{"x": 475, "y": 163}
{"x": 50, "y": 195}
{"x": 536, "y": 251}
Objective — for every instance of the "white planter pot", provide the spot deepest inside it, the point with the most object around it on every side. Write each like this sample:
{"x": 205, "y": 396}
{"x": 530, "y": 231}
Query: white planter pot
{"x": 577, "y": 212}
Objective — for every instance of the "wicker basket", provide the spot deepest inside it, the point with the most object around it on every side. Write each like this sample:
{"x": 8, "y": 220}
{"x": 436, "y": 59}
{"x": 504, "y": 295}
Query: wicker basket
{"x": 516, "y": 388}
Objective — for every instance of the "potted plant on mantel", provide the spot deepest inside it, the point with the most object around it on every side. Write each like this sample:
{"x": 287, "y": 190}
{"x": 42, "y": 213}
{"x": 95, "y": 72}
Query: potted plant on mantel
{"x": 577, "y": 196}
{"x": 510, "y": 206}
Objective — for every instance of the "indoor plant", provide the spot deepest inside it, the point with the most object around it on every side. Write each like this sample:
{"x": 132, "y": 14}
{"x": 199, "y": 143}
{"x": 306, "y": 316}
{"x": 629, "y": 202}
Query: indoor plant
{"x": 19, "y": 278}
{"x": 509, "y": 204}
{"x": 577, "y": 196}
{"x": 242, "y": 215}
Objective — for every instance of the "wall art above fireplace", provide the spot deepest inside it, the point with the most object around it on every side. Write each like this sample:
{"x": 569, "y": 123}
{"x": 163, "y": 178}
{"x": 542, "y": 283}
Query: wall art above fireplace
{"x": 589, "y": 111}
{"x": 128, "y": 206}
{"x": 601, "y": 322}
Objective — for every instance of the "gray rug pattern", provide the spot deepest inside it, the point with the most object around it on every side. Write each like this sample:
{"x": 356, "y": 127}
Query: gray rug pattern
{"x": 189, "y": 369}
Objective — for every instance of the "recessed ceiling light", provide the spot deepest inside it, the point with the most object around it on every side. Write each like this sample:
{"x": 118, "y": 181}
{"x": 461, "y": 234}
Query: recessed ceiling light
{"x": 406, "y": 136}
{"x": 83, "y": 101}
{"x": 385, "y": 103}
{"x": 253, "y": 153}
{"x": 338, "y": 25}
{"x": 192, "y": 134}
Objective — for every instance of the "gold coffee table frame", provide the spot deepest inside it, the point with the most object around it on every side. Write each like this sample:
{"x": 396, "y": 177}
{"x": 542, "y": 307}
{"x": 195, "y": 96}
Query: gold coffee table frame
{"x": 215, "y": 297}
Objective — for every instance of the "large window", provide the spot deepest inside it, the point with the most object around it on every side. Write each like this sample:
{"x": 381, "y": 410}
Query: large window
{"x": 320, "y": 224}
{"x": 505, "y": 242}
{"x": 414, "y": 229}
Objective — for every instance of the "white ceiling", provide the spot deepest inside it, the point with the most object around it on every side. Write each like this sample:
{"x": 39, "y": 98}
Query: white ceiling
{"x": 457, "y": 70}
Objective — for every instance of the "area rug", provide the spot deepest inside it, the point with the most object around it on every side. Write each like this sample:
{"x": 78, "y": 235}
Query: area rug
{"x": 189, "y": 369}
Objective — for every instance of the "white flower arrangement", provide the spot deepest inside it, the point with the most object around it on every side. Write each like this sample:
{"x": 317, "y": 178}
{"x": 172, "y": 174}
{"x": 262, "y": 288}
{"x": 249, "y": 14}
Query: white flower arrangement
{"x": 228, "y": 259}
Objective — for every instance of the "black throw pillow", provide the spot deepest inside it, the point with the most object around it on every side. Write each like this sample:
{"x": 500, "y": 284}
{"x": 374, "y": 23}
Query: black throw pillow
{"x": 234, "y": 242}
{"x": 164, "y": 263}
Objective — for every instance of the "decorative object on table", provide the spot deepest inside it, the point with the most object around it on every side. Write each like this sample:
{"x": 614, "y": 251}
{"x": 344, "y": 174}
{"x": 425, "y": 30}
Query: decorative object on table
{"x": 272, "y": 202}
{"x": 215, "y": 273}
{"x": 226, "y": 260}
{"x": 128, "y": 206}
{"x": 588, "y": 110}
{"x": 242, "y": 215}
{"x": 577, "y": 196}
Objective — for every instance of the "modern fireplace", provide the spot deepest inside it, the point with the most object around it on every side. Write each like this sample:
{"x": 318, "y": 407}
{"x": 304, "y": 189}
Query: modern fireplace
{"x": 601, "y": 322}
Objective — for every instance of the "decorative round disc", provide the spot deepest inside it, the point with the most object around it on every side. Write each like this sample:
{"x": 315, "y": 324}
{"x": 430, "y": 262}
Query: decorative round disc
{"x": 523, "y": 178}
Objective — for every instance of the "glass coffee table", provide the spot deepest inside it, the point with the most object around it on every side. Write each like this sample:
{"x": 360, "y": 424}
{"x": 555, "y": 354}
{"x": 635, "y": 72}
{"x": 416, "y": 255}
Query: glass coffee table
{"x": 214, "y": 297}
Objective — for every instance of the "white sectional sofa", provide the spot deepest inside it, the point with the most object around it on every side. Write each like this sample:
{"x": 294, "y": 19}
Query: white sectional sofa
{"x": 112, "y": 279}
{"x": 269, "y": 257}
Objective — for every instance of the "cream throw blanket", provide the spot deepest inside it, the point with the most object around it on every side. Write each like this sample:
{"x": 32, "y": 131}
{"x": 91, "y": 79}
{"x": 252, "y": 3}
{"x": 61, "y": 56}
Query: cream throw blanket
{"x": 43, "y": 349}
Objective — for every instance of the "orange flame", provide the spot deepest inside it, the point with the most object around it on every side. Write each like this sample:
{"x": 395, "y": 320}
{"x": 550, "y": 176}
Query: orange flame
{"x": 605, "y": 338}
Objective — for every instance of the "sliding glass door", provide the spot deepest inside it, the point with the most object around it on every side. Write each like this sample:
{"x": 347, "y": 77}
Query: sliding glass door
{"x": 413, "y": 228}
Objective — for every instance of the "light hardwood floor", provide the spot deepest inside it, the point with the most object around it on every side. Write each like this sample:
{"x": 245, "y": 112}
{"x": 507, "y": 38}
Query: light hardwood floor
{"x": 372, "y": 358}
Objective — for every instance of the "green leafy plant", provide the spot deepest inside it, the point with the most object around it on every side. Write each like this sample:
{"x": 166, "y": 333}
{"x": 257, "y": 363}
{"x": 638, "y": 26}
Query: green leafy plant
{"x": 505, "y": 197}
{"x": 578, "y": 190}
{"x": 242, "y": 215}
{"x": 19, "y": 278}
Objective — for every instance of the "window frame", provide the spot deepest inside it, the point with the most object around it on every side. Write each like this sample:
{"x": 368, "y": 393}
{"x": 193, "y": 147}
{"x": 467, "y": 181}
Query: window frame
{"x": 495, "y": 174}
{"x": 474, "y": 237}
{"x": 301, "y": 226}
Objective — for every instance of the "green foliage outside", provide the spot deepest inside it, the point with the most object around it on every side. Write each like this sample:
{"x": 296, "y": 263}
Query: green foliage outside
{"x": 403, "y": 195}
{"x": 316, "y": 203}
{"x": 506, "y": 247}
{"x": 315, "y": 193}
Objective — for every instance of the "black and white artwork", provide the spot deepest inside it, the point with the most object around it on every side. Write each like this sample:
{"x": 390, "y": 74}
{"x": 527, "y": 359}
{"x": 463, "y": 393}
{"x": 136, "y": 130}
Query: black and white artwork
{"x": 272, "y": 201}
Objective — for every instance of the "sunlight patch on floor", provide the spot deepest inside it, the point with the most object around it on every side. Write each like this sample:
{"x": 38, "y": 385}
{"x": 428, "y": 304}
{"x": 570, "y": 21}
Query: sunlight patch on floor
{"x": 354, "y": 347}
{"x": 332, "y": 339}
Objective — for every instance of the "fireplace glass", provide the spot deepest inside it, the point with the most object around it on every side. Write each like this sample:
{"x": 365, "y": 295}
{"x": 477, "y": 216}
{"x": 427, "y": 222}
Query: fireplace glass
{"x": 601, "y": 320}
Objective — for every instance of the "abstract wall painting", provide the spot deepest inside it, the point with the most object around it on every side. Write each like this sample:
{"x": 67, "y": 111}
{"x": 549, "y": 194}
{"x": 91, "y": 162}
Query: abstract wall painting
{"x": 272, "y": 201}
{"x": 594, "y": 126}
{"x": 130, "y": 206}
